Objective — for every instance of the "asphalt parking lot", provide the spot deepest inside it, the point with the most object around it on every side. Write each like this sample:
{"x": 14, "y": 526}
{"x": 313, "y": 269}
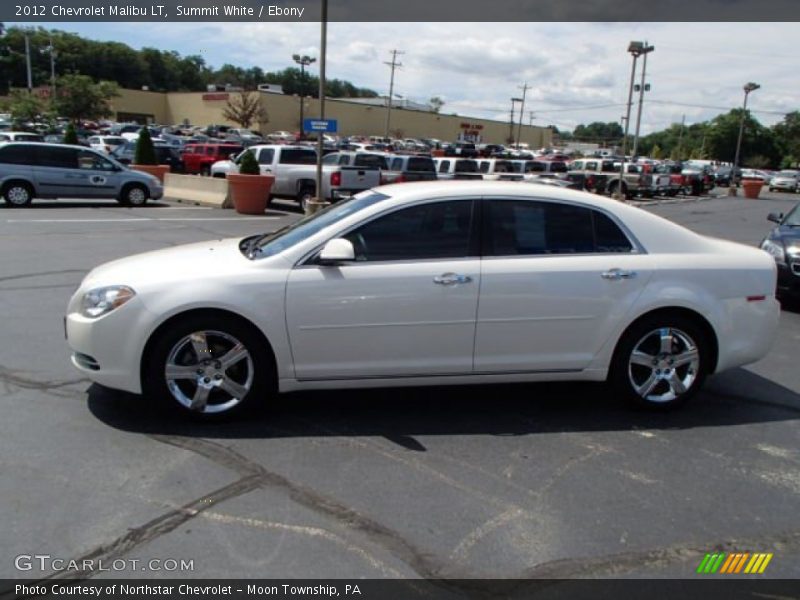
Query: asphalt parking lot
{"x": 518, "y": 481}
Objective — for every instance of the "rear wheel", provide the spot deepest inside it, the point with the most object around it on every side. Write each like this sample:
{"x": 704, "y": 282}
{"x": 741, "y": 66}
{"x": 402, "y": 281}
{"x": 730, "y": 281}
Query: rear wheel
{"x": 134, "y": 195}
{"x": 17, "y": 193}
{"x": 304, "y": 195}
{"x": 210, "y": 367}
{"x": 205, "y": 170}
{"x": 660, "y": 362}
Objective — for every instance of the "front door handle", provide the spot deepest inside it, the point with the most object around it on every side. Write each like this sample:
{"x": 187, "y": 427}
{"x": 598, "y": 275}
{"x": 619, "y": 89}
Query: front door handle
{"x": 451, "y": 279}
{"x": 615, "y": 274}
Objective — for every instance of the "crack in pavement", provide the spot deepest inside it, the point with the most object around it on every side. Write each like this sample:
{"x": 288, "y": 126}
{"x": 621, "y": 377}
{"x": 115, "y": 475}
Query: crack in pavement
{"x": 12, "y": 377}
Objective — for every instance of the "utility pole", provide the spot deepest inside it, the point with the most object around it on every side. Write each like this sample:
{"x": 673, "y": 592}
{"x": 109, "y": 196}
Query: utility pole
{"x": 28, "y": 62}
{"x": 680, "y": 136}
{"x": 511, "y": 121}
{"x": 530, "y": 118}
{"x": 524, "y": 89}
{"x": 394, "y": 64}
{"x": 52, "y": 69}
{"x": 642, "y": 89}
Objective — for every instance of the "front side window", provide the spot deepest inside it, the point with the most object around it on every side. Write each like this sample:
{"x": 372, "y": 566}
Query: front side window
{"x": 427, "y": 231}
{"x": 94, "y": 162}
{"x": 527, "y": 228}
{"x": 330, "y": 159}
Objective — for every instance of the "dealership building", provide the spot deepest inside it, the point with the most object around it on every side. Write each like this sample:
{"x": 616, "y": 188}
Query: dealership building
{"x": 354, "y": 116}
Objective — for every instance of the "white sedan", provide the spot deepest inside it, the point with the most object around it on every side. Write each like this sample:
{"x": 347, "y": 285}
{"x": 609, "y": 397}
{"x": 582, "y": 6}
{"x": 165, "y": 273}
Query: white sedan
{"x": 425, "y": 284}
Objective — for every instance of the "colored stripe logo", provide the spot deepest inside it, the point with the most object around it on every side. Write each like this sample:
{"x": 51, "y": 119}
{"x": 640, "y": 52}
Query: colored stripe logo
{"x": 731, "y": 563}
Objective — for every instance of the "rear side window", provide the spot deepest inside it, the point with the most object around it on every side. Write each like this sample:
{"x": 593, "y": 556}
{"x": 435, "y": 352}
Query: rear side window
{"x": 558, "y": 167}
{"x": 444, "y": 166}
{"x": 17, "y": 155}
{"x": 64, "y": 158}
{"x": 535, "y": 166}
{"x": 421, "y": 164}
{"x": 466, "y": 166}
{"x": 265, "y": 156}
{"x": 296, "y": 156}
{"x": 370, "y": 160}
{"x": 526, "y": 228}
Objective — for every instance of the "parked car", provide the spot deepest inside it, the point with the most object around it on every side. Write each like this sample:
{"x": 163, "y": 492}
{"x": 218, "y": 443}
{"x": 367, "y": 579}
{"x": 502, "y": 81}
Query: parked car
{"x": 392, "y": 288}
{"x": 461, "y": 149}
{"x": 281, "y": 136}
{"x": 243, "y": 136}
{"x": 20, "y": 136}
{"x": 105, "y": 143}
{"x": 783, "y": 243}
{"x": 499, "y": 169}
{"x": 295, "y": 172}
{"x": 409, "y": 168}
{"x": 198, "y": 158}
{"x": 785, "y": 181}
{"x": 457, "y": 168}
{"x": 165, "y": 155}
{"x": 31, "y": 170}
{"x": 602, "y": 175}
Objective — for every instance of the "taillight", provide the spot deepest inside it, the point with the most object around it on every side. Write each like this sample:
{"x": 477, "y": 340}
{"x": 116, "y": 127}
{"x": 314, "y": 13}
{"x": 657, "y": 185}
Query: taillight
{"x": 590, "y": 182}
{"x": 336, "y": 178}
{"x": 400, "y": 179}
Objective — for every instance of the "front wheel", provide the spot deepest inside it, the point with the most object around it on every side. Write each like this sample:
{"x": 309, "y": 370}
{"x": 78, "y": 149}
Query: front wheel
{"x": 135, "y": 195}
{"x": 17, "y": 194}
{"x": 207, "y": 366}
{"x": 660, "y": 362}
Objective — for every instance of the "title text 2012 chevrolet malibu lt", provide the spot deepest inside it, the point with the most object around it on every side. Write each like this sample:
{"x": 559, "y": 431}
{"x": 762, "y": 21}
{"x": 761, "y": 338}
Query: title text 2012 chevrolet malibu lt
{"x": 429, "y": 283}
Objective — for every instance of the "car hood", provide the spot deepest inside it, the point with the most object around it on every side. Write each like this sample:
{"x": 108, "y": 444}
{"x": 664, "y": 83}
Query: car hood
{"x": 190, "y": 261}
{"x": 789, "y": 235}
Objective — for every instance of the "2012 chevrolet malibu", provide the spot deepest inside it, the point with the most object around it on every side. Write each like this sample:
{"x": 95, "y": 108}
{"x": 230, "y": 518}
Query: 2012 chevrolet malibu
{"x": 424, "y": 284}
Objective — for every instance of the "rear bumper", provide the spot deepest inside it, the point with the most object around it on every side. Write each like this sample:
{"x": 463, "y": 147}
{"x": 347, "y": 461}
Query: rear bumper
{"x": 748, "y": 332}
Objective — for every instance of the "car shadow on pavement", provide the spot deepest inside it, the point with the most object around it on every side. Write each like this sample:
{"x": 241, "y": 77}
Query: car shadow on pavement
{"x": 399, "y": 414}
{"x": 90, "y": 204}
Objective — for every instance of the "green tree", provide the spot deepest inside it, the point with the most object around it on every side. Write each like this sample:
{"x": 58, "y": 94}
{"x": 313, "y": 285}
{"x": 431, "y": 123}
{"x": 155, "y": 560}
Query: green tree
{"x": 70, "y": 135}
{"x": 249, "y": 164}
{"x": 145, "y": 154}
{"x": 25, "y": 108}
{"x": 245, "y": 108}
{"x": 787, "y": 138}
{"x": 723, "y": 132}
{"x": 81, "y": 98}
{"x": 436, "y": 104}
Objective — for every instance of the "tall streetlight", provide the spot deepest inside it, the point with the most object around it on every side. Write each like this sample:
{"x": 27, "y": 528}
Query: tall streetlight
{"x": 748, "y": 87}
{"x": 644, "y": 87}
{"x": 636, "y": 49}
{"x": 303, "y": 61}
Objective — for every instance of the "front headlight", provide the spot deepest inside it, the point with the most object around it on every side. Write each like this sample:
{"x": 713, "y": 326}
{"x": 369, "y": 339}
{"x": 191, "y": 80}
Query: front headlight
{"x": 775, "y": 249}
{"x": 100, "y": 301}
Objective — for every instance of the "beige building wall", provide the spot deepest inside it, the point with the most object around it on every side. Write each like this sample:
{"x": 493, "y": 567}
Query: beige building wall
{"x": 354, "y": 119}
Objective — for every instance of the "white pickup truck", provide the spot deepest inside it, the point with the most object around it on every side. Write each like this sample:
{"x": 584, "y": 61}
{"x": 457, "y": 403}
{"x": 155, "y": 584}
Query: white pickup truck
{"x": 295, "y": 172}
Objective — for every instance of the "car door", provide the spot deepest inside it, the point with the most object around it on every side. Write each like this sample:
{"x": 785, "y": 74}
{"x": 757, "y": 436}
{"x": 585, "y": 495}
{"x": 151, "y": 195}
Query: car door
{"x": 556, "y": 280}
{"x": 406, "y": 306}
{"x": 96, "y": 176}
{"x": 55, "y": 169}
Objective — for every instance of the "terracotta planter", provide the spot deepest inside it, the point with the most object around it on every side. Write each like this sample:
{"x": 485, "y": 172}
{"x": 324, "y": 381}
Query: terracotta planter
{"x": 752, "y": 188}
{"x": 157, "y": 170}
{"x": 250, "y": 193}
{"x": 437, "y": 152}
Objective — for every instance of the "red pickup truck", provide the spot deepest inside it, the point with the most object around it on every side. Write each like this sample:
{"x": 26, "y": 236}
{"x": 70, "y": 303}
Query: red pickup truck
{"x": 198, "y": 158}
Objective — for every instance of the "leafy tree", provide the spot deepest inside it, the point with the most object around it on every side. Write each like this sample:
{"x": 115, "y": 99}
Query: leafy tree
{"x": 81, "y": 98}
{"x": 787, "y": 138}
{"x": 599, "y": 132}
{"x": 70, "y": 135}
{"x": 249, "y": 164}
{"x": 245, "y": 108}
{"x": 25, "y": 107}
{"x": 436, "y": 104}
{"x": 145, "y": 154}
{"x": 655, "y": 152}
{"x": 723, "y": 132}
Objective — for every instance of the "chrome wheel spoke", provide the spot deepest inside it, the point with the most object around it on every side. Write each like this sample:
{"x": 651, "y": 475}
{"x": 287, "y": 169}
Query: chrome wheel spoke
{"x": 233, "y": 356}
{"x": 200, "y": 398}
{"x": 180, "y": 372}
{"x": 645, "y": 388}
{"x": 687, "y": 357}
{"x": 236, "y": 390}
{"x": 676, "y": 384}
{"x": 200, "y": 345}
{"x": 665, "y": 336}
{"x": 642, "y": 358}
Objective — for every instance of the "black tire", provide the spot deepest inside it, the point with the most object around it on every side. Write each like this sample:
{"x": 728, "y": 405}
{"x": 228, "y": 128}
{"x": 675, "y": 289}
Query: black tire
{"x": 17, "y": 194}
{"x": 304, "y": 195}
{"x": 648, "y": 379}
{"x": 134, "y": 194}
{"x": 205, "y": 170}
{"x": 181, "y": 345}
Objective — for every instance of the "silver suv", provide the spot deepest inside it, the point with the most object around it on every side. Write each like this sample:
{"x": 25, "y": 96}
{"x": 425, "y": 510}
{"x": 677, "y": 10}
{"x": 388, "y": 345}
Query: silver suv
{"x": 30, "y": 170}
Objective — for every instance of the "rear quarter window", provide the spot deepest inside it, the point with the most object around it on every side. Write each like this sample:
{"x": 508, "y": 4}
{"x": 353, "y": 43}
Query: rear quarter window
{"x": 421, "y": 164}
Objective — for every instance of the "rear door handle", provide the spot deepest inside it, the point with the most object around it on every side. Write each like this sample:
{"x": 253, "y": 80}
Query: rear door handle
{"x": 451, "y": 279}
{"x": 614, "y": 274}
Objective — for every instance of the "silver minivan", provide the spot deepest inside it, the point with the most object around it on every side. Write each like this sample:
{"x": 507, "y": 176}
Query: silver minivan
{"x": 31, "y": 170}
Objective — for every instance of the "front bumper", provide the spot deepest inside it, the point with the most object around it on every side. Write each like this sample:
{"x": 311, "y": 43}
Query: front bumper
{"x": 789, "y": 279}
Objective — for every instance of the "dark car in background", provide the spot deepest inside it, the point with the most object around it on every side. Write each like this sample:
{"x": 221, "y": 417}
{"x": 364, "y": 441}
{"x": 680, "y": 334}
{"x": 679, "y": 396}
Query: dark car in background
{"x": 165, "y": 154}
{"x": 783, "y": 243}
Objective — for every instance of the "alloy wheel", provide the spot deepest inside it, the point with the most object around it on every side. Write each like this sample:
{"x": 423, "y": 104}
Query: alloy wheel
{"x": 664, "y": 365}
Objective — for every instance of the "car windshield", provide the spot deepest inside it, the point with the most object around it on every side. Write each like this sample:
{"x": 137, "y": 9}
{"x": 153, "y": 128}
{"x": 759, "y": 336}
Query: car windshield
{"x": 280, "y": 240}
{"x": 793, "y": 218}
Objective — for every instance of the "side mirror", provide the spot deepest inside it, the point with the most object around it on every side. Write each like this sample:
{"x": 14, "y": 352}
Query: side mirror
{"x": 337, "y": 251}
{"x": 775, "y": 217}
{"x": 232, "y": 155}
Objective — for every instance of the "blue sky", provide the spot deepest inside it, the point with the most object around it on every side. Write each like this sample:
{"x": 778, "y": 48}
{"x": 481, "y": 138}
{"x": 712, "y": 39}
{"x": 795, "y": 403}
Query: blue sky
{"x": 579, "y": 72}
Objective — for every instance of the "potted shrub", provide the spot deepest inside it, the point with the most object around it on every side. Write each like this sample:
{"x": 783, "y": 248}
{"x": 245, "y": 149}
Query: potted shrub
{"x": 145, "y": 156}
{"x": 249, "y": 189}
{"x": 70, "y": 135}
{"x": 752, "y": 187}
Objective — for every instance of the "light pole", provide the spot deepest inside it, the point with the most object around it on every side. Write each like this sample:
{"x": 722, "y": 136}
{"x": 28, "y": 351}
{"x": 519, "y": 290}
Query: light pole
{"x": 636, "y": 49}
{"x": 524, "y": 89}
{"x": 318, "y": 202}
{"x": 513, "y": 109}
{"x": 748, "y": 87}
{"x": 303, "y": 61}
{"x": 644, "y": 87}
